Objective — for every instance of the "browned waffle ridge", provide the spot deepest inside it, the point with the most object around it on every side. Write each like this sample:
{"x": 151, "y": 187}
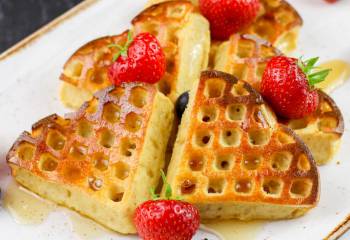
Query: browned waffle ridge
{"x": 102, "y": 159}
{"x": 233, "y": 160}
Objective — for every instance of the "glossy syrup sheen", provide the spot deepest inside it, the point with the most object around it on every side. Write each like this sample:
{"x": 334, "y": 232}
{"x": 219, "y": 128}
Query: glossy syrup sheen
{"x": 28, "y": 209}
{"x": 25, "y": 207}
{"x": 234, "y": 229}
{"x": 339, "y": 74}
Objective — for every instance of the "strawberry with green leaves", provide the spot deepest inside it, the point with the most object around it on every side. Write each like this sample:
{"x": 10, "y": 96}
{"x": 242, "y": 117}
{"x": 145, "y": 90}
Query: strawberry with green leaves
{"x": 140, "y": 60}
{"x": 166, "y": 219}
{"x": 288, "y": 85}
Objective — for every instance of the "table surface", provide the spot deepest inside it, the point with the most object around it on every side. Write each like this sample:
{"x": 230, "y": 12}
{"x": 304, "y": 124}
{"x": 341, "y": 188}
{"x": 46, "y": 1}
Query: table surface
{"x": 19, "y": 18}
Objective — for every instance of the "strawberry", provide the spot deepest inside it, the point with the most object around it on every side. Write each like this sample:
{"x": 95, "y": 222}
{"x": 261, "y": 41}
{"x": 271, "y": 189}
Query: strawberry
{"x": 228, "y": 16}
{"x": 331, "y": 1}
{"x": 288, "y": 85}
{"x": 140, "y": 60}
{"x": 166, "y": 219}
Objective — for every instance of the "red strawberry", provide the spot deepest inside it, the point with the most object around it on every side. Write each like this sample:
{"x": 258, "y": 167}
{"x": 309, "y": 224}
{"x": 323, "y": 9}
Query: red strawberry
{"x": 228, "y": 16}
{"x": 166, "y": 219}
{"x": 287, "y": 84}
{"x": 140, "y": 60}
{"x": 331, "y": 1}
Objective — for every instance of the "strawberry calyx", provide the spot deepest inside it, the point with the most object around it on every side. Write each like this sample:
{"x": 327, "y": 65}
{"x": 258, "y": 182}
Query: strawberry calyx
{"x": 308, "y": 67}
{"x": 168, "y": 190}
{"x": 123, "y": 50}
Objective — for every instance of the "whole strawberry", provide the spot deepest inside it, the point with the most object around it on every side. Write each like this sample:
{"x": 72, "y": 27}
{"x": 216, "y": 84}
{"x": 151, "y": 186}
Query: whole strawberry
{"x": 228, "y": 16}
{"x": 140, "y": 60}
{"x": 288, "y": 85}
{"x": 166, "y": 219}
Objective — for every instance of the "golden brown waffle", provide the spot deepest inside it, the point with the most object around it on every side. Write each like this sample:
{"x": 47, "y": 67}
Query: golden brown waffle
{"x": 246, "y": 56}
{"x": 101, "y": 160}
{"x": 183, "y": 34}
{"x": 278, "y": 22}
{"x": 232, "y": 160}
{"x": 321, "y": 131}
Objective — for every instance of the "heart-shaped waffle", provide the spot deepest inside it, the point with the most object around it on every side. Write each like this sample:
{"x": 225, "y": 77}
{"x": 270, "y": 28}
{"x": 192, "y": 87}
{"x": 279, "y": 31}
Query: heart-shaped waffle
{"x": 233, "y": 160}
{"x": 101, "y": 160}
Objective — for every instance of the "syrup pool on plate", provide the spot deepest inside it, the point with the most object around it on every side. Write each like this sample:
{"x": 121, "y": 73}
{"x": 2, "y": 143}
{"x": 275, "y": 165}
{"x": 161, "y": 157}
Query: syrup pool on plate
{"x": 234, "y": 229}
{"x": 339, "y": 74}
{"x": 26, "y": 207}
{"x": 85, "y": 227}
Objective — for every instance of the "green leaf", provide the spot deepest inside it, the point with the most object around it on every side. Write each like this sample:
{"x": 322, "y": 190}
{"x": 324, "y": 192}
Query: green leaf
{"x": 116, "y": 56}
{"x": 129, "y": 38}
{"x": 123, "y": 50}
{"x": 309, "y": 64}
{"x": 318, "y": 77}
{"x": 308, "y": 68}
{"x": 179, "y": 198}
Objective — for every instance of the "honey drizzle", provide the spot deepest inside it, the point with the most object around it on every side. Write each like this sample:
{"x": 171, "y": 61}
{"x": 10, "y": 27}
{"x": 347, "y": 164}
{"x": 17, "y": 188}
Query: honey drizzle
{"x": 85, "y": 227}
{"x": 29, "y": 209}
{"x": 24, "y": 206}
{"x": 339, "y": 75}
{"x": 235, "y": 229}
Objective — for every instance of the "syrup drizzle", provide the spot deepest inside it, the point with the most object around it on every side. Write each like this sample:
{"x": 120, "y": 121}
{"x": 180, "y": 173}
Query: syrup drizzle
{"x": 26, "y": 207}
{"x": 29, "y": 209}
{"x": 339, "y": 75}
{"x": 235, "y": 229}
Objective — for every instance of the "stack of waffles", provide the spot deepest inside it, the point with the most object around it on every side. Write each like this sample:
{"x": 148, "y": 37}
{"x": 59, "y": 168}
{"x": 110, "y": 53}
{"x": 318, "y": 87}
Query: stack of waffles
{"x": 232, "y": 158}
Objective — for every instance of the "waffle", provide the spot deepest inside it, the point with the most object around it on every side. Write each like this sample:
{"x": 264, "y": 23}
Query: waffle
{"x": 278, "y": 22}
{"x": 182, "y": 33}
{"x": 321, "y": 131}
{"x": 233, "y": 160}
{"x": 101, "y": 160}
{"x": 245, "y": 56}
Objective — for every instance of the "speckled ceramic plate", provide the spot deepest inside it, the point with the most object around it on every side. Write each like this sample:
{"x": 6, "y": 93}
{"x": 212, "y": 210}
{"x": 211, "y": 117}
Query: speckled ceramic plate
{"x": 29, "y": 89}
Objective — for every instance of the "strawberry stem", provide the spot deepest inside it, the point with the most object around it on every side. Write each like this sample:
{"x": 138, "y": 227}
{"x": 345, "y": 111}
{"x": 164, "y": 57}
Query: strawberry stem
{"x": 123, "y": 50}
{"x": 308, "y": 67}
{"x": 168, "y": 190}
{"x": 153, "y": 194}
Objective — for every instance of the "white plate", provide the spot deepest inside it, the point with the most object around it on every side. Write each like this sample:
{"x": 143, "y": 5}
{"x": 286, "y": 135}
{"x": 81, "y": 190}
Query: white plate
{"x": 28, "y": 92}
